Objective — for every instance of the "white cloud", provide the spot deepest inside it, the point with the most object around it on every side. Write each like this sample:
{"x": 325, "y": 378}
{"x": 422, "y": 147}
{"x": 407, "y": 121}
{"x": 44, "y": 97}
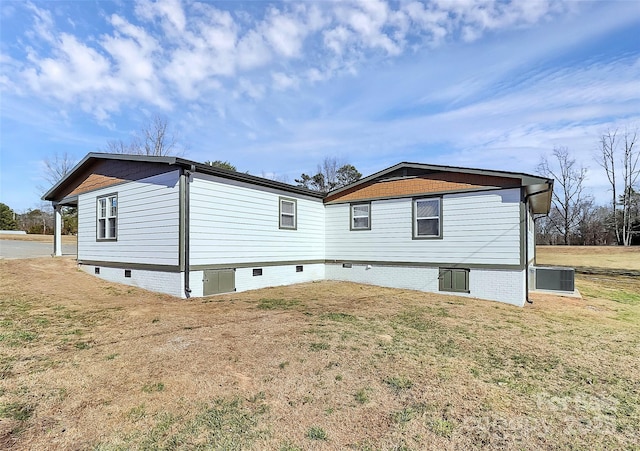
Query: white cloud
{"x": 285, "y": 33}
{"x": 252, "y": 51}
{"x": 200, "y": 49}
{"x": 43, "y": 23}
{"x": 75, "y": 68}
{"x": 133, "y": 52}
{"x": 170, "y": 13}
{"x": 253, "y": 90}
{"x": 362, "y": 24}
{"x": 283, "y": 81}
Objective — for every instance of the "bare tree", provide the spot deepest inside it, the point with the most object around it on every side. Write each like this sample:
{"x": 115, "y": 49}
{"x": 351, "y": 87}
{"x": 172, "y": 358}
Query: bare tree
{"x": 608, "y": 158}
{"x": 56, "y": 167}
{"x": 283, "y": 178}
{"x": 119, "y": 146}
{"x": 157, "y": 140}
{"x": 630, "y": 173}
{"x": 154, "y": 138}
{"x": 568, "y": 195}
{"x": 330, "y": 175}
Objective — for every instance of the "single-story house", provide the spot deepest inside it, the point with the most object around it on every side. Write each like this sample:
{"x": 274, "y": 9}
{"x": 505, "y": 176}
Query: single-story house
{"x": 175, "y": 226}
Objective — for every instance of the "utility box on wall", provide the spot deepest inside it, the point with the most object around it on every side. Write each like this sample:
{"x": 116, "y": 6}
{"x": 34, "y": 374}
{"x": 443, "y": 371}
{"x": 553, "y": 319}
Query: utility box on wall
{"x": 554, "y": 279}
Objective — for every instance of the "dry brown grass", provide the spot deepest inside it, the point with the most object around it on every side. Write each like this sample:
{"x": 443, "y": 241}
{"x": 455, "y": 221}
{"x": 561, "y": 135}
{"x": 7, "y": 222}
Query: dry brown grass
{"x": 66, "y": 239}
{"x": 610, "y": 257}
{"x": 89, "y": 364}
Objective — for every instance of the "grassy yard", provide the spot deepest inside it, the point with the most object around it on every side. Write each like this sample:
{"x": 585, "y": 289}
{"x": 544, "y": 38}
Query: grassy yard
{"x": 609, "y": 257}
{"x": 85, "y": 364}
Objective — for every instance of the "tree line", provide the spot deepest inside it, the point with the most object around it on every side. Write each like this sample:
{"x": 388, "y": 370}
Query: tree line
{"x": 37, "y": 220}
{"x": 575, "y": 218}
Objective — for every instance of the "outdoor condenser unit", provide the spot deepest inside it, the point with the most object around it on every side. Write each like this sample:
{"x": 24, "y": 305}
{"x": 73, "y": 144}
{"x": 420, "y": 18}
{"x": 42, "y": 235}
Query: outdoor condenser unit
{"x": 554, "y": 278}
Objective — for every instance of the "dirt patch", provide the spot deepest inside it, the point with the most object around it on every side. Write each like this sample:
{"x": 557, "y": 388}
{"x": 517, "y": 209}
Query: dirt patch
{"x": 89, "y": 364}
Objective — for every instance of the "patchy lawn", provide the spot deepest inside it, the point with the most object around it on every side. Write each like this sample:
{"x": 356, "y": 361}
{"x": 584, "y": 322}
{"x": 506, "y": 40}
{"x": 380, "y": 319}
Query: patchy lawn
{"x": 89, "y": 364}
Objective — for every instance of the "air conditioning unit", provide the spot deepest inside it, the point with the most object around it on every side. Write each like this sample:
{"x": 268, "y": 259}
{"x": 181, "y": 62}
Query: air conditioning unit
{"x": 552, "y": 278}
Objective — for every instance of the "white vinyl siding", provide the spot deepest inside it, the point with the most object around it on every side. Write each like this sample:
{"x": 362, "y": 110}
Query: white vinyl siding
{"x": 477, "y": 228}
{"x": 147, "y": 222}
{"x": 234, "y": 222}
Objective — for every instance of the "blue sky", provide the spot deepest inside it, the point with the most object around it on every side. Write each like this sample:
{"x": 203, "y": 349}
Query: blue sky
{"x": 274, "y": 87}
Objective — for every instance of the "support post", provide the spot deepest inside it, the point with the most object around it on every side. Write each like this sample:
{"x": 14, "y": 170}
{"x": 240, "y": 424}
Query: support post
{"x": 57, "y": 232}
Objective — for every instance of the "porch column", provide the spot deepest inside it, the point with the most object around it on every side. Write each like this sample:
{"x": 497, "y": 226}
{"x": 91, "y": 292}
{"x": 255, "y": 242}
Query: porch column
{"x": 57, "y": 233}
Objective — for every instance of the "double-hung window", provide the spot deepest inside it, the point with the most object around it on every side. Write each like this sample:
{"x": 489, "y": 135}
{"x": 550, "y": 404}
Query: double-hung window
{"x": 288, "y": 214}
{"x": 361, "y": 216}
{"x": 107, "y": 217}
{"x": 427, "y": 218}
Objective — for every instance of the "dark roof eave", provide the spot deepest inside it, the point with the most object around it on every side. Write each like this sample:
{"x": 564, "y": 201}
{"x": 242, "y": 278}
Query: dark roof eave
{"x": 90, "y": 157}
{"x": 50, "y": 195}
{"x": 526, "y": 179}
{"x": 247, "y": 178}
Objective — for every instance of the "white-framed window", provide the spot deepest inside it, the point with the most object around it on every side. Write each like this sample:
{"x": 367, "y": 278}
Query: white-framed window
{"x": 361, "y": 216}
{"x": 427, "y": 218}
{"x": 107, "y": 217}
{"x": 288, "y": 213}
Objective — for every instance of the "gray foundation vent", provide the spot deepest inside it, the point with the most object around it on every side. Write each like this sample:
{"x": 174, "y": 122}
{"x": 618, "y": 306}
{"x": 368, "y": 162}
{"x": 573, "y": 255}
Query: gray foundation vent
{"x": 553, "y": 278}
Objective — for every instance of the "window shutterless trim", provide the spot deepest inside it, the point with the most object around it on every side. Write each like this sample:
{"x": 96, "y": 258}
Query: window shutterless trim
{"x": 414, "y": 219}
{"x": 294, "y": 215}
{"x": 352, "y": 217}
{"x": 106, "y": 218}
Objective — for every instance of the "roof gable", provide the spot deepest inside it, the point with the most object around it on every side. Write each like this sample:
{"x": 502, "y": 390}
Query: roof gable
{"x": 413, "y": 179}
{"x": 98, "y": 170}
{"x": 420, "y": 184}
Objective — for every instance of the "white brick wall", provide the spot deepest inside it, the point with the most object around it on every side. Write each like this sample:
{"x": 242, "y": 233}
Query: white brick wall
{"x": 492, "y": 284}
{"x": 162, "y": 282}
{"x": 419, "y": 278}
{"x": 273, "y": 276}
{"x": 498, "y": 285}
